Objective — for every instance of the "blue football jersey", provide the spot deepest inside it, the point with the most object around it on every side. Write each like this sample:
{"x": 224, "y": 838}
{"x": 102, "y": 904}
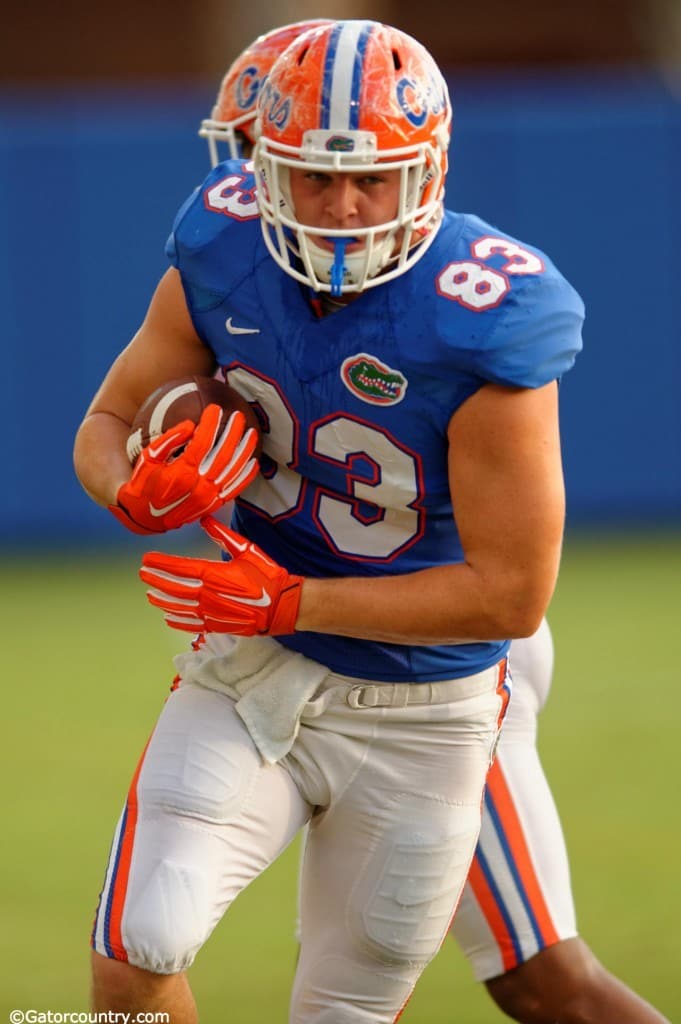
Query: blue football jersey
{"x": 355, "y": 405}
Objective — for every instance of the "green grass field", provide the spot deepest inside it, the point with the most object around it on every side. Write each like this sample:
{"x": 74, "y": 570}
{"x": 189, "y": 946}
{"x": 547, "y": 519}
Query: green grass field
{"x": 89, "y": 666}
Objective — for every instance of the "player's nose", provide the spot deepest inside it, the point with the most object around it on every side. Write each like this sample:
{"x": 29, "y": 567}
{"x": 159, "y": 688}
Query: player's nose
{"x": 342, "y": 198}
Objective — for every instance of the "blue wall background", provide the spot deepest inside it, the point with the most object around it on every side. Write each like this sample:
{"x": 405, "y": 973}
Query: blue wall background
{"x": 588, "y": 169}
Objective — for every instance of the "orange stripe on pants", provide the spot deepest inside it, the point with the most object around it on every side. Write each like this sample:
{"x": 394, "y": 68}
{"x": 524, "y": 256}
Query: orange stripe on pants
{"x": 501, "y": 795}
{"x": 120, "y": 883}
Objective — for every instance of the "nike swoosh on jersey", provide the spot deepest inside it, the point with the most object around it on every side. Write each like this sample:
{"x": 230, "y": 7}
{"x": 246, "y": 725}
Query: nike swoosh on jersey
{"x": 240, "y": 330}
{"x": 158, "y": 512}
{"x": 258, "y": 602}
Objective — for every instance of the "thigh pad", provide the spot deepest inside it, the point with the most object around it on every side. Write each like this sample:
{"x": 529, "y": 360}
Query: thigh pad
{"x": 404, "y": 899}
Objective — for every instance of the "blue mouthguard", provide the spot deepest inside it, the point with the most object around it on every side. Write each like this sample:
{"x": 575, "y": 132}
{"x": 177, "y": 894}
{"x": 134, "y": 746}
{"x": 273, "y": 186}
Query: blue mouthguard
{"x": 338, "y": 265}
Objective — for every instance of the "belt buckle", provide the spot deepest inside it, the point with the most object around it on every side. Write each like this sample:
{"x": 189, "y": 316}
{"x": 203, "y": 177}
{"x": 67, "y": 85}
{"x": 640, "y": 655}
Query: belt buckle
{"x": 363, "y": 697}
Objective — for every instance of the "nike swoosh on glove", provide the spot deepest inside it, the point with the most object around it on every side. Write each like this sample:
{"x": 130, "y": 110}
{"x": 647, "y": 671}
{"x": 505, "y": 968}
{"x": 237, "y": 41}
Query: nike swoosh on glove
{"x": 248, "y": 595}
{"x": 172, "y": 485}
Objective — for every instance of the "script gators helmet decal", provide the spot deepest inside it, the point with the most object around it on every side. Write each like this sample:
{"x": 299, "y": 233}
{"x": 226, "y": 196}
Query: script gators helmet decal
{"x": 372, "y": 381}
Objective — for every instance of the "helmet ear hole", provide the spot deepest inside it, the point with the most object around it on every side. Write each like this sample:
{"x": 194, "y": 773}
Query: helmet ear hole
{"x": 397, "y": 63}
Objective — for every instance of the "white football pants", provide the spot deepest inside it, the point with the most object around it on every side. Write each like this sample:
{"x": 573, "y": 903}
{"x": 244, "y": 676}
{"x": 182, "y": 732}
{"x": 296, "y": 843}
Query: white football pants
{"x": 393, "y": 796}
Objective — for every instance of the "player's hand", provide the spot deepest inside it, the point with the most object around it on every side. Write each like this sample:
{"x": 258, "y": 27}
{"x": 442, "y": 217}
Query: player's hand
{"x": 248, "y": 595}
{"x": 172, "y": 485}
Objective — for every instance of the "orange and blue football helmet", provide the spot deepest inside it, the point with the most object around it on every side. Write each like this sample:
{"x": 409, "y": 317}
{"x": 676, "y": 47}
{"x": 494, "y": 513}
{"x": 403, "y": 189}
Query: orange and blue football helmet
{"x": 356, "y": 97}
{"x": 233, "y": 115}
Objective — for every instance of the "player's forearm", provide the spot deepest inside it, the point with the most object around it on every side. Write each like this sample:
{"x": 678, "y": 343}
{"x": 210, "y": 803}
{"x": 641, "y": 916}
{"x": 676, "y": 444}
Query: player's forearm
{"x": 99, "y": 456}
{"x": 447, "y": 604}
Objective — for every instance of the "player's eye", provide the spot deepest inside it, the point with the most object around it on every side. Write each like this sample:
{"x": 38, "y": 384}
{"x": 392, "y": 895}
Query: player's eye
{"x": 317, "y": 177}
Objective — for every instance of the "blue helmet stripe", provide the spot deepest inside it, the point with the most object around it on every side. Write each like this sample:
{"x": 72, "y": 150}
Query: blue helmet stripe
{"x": 327, "y": 81}
{"x": 360, "y": 54}
{"x": 342, "y": 81}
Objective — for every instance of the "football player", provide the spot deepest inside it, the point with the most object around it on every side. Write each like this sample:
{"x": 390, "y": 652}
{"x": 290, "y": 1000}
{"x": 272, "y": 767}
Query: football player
{"x": 230, "y": 128}
{"x": 516, "y": 919}
{"x": 349, "y": 670}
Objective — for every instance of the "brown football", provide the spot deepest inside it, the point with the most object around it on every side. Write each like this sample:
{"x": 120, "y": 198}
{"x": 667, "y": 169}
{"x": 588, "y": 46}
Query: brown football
{"x": 184, "y": 398}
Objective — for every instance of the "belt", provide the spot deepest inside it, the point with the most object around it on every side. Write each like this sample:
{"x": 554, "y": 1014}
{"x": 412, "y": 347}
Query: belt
{"x": 399, "y": 695}
{"x": 340, "y": 690}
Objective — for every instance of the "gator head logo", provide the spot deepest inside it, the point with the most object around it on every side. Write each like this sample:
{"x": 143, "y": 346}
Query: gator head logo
{"x": 372, "y": 381}
{"x": 340, "y": 144}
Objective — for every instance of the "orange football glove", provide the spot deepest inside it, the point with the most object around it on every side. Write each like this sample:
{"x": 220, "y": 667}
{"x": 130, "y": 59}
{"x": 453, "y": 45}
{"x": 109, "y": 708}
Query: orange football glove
{"x": 170, "y": 486}
{"x": 248, "y": 595}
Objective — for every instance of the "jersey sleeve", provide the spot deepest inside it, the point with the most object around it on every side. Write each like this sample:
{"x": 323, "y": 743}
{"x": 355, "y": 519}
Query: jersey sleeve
{"x": 171, "y": 244}
{"x": 211, "y": 243}
{"x": 534, "y": 337}
{"x": 186, "y": 247}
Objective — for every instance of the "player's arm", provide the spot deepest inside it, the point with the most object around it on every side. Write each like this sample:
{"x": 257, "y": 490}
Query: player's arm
{"x": 189, "y": 471}
{"x": 507, "y": 488}
{"x": 165, "y": 346}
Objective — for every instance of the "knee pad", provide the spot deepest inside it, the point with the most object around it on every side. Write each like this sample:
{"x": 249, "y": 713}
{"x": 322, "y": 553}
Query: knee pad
{"x": 168, "y": 922}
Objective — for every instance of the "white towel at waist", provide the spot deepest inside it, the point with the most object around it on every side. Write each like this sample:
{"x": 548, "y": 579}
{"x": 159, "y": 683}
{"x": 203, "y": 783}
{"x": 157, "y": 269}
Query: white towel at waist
{"x": 270, "y": 684}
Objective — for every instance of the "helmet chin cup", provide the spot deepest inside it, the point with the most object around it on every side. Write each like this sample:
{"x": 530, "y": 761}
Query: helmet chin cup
{"x": 340, "y": 270}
